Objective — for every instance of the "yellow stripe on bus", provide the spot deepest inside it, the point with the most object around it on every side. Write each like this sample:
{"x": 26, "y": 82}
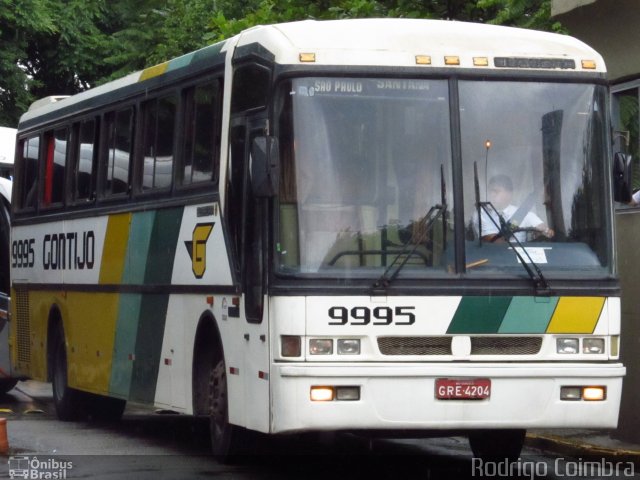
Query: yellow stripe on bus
{"x": 90, "y": 329}
{"x": 576, "y": 315}
{"x": 154, "y": 71}
{"x": 115, "y": 249}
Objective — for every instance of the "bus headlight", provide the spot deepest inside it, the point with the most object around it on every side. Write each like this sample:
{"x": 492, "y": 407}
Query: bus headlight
{"x": 348, "y": 346}
{"x": 320, "y": 346}
{"x": 567, "y": 345}
{"x": 322, "y": 394}
{"x": 593, "y": 345}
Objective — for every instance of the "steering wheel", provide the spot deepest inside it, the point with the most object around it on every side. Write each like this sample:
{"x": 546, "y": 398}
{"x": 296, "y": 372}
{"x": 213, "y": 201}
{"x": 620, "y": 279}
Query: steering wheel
{"x": 536, "y": 235}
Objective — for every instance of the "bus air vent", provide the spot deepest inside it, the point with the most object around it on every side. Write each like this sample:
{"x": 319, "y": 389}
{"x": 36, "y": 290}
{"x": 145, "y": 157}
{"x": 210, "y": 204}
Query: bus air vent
{"x": 23, "y": 330}
{"x": 494, "y": 345}
{"x": 415, "y": 345}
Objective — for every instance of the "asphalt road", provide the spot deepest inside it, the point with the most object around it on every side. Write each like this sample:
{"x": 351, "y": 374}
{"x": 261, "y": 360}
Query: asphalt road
{"x": 155, "y": 445}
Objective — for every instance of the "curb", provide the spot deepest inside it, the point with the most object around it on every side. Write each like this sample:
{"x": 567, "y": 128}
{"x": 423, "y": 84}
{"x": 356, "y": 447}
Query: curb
{"x": 576, "y": 447}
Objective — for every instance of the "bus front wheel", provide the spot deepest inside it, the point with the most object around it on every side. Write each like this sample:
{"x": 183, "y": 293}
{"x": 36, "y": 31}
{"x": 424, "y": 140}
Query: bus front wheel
{"x": 226, "y": 439}
{"x": 67, "y": 401}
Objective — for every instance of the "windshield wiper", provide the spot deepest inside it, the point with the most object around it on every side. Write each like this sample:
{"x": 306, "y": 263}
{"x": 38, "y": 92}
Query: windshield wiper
{"x": 507, "y": 232}
{"x": 504, "y": 228}
{"x": 409, "y": 247}
{"x": 436, "y": 211}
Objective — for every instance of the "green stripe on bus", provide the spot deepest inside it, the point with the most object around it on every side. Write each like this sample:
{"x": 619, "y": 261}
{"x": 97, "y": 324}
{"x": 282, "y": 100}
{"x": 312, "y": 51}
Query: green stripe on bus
{"x": 180, "y": 62}
{"x": 124, "y": 351}
{"x": 528, "y": 315}
{"x": 125, "y": 344}
{"x": 162, "y": 248}
{"x": 153, "y": 307}
{"x": 138, "y": 247}
{"x": 208, "y": 53}
{"x": 479, "y": 315}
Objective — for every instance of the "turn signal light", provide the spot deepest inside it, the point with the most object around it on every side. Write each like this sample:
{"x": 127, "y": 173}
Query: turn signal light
{"x": 594, "y": 394}
{"x": 290, "y": 346}
{"x": 325, "y": 393}
{"x": 322, "y": 394}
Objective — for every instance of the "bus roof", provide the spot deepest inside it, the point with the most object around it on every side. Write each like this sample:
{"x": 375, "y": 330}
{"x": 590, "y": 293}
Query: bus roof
{"x": 393, "y": 41}
{"x": 368, "y": 42}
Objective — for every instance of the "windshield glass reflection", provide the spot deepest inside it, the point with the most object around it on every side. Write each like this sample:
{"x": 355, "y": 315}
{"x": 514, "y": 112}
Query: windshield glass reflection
{"x": 366, "y": 176}
{"x": 367, "y": 161}
{"x": 534, "y": 170}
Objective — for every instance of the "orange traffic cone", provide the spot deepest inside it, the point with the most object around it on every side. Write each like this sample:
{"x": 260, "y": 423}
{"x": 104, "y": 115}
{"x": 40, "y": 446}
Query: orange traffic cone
{"x": 4, "y": 442}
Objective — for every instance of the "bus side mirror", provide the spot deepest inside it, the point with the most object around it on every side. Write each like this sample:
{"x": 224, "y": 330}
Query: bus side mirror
{"x": 622, "y": 177}
{"x": 265, "y": 174}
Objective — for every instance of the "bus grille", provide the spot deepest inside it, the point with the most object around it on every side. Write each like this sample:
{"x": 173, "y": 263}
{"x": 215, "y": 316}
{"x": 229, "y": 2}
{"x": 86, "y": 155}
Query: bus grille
{"x": 415, "y": 345}
{"x": 505, "y": 345}
{"x": 490, "y": 345}
{"x": 23, "y": 330}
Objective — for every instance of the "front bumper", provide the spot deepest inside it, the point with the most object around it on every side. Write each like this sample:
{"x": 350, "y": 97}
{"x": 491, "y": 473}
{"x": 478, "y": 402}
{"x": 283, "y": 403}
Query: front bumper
{"x": 401, "y": 397}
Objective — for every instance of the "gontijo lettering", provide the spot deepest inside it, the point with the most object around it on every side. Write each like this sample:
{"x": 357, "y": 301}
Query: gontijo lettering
{"x": 60, "y": 251}
{"x": 69, "y": 251}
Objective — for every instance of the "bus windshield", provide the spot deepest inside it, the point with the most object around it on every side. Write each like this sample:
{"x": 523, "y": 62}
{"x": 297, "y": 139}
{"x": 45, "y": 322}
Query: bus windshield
{"x": 367, "y": 178}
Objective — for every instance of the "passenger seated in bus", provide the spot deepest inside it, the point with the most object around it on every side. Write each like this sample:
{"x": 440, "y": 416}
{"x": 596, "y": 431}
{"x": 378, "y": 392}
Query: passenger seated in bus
{"x": 500, "y": 195}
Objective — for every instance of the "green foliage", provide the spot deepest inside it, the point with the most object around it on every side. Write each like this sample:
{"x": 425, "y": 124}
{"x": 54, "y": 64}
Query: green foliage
{"x": 534, "y": 14}
{"x": 57, "y": 47}
{"x": 19, "y": 20}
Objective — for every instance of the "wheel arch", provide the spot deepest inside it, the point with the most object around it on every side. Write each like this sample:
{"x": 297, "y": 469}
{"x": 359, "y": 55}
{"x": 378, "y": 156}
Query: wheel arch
{"x": 207, "y": 350}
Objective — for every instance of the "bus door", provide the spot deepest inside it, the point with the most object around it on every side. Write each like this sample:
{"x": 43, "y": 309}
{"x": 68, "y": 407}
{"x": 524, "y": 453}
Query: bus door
{"x": 254, "y": 291}
{"x": 248, "y": 216}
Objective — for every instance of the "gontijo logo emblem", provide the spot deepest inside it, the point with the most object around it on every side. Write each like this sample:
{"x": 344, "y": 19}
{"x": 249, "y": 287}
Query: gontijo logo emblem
{"x": 197, "y": 248}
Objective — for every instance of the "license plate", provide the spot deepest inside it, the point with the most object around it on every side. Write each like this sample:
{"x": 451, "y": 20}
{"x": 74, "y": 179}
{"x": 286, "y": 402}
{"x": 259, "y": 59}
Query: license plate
{"x": 463, "y": 389}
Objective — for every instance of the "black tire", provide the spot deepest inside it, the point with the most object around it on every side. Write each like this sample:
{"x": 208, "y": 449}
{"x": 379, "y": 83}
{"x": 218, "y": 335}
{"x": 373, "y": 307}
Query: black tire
{"x": 226, "y": 439}
{"x": 67, "y": 401}
{"x": 7, "y": 384}
{"x": 497, "y": 444}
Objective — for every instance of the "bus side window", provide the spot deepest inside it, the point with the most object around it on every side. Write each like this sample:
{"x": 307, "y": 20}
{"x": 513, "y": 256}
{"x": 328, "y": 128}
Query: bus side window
{"x": 158, "y": 135}
{"x": 236, "y": 187}
{"x": 27, "y": 175}
{"x": 119, "y": 145}
{"x": 84, "y": 180}
{"x": 250, "y": 88}
{"x": 55, "y": 164}
{"x": 202, "y": 122}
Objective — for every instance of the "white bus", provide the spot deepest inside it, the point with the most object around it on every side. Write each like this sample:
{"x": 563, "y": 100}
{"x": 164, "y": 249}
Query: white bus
{"x": 284, "y": 232}
{"x": 7, "y": 152}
